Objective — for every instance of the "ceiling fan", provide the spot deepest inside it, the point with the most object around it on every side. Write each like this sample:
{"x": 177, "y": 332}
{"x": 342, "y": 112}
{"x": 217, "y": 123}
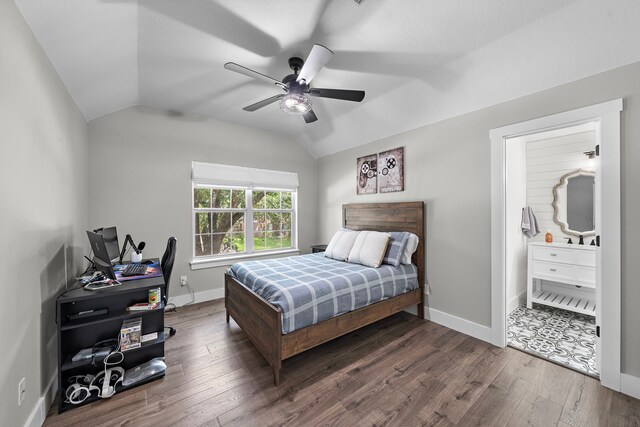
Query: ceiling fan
{"x": 296, "y": 85}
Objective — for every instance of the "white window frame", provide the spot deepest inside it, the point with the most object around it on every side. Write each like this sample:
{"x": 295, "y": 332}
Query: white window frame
{"x": 201, "y": 262}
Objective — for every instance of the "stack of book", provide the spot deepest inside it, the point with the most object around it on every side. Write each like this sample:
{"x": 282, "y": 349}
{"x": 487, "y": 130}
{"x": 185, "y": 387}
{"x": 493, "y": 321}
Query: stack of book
{"x": 143, "y": 306}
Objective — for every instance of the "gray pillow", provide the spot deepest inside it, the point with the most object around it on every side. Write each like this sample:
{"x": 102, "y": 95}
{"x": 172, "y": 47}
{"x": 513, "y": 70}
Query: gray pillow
{"x": 395, "y": 248}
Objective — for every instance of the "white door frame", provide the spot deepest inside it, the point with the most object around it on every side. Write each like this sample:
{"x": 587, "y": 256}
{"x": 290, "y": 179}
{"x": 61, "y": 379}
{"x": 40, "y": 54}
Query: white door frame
{"x": 607, "y": 114}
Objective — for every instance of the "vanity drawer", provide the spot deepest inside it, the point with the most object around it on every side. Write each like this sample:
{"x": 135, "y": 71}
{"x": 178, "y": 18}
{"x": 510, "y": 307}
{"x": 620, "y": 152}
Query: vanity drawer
{"x": 586, "y": 258}
{"x": 552, "y": 271}
{"x": 585, "y": 277}
{"x": 553, "y": 254}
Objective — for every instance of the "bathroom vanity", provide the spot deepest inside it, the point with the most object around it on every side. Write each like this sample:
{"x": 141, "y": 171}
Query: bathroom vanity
{"x": 563, "y": 276}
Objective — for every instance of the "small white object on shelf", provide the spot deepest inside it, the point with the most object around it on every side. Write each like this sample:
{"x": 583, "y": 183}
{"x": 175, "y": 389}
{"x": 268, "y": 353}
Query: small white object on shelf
{"x": 149, "y": 337}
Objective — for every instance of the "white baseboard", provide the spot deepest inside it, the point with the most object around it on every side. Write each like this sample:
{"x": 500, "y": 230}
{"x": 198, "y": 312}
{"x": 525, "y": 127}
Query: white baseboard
{"x": 201, "y": 296}
{"x": 630, "y": 385}
{"x": 458, "y": 324}
{"x": 39, "y": 413}
{"x": 514, "y": 302}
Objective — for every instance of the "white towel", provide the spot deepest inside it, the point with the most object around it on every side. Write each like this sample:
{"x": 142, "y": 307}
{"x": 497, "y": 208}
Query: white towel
{"x": 530, "y": 226}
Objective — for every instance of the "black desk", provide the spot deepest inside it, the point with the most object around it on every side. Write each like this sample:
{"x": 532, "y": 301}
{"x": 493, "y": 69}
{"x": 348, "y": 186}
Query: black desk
{"x": 74, "y": 335}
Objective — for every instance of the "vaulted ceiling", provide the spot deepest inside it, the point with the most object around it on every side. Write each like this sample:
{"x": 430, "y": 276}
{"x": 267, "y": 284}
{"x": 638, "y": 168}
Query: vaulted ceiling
{"x": 419, "y": 61}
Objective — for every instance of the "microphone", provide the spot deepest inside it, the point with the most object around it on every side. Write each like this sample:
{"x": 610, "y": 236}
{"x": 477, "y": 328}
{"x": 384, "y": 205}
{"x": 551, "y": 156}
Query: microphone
{"x": 136, "y": 249}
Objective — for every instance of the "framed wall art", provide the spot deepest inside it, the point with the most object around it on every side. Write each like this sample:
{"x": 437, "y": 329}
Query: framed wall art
{"x": 391, "y": 170}
{"x": 367, "y": 175}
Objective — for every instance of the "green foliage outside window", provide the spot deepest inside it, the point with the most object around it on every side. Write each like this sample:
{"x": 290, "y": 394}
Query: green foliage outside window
{"x": 223, "y": 232}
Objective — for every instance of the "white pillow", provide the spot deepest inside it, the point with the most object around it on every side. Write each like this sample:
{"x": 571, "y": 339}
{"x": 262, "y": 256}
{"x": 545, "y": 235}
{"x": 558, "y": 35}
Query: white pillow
{"x": 410, "y": 248}
{"x": 341, "y": 244}
{"x": 369, "y": 248}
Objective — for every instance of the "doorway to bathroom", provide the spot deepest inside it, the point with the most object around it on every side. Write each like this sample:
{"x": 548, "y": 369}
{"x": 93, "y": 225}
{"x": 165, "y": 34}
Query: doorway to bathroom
{"x": 567, "y": 265}
{"x": 550, "y": 242}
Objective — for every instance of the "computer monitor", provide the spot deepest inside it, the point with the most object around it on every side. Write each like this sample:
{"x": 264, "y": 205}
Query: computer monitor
{"x": 101, "y": 257}
{"x": 110, "y": 235}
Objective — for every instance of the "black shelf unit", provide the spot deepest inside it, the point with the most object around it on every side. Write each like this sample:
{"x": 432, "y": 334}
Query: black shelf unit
{"x": 98, "y": 361}
{"x": 74, "y": 335}
{"x": 117, "y": 315}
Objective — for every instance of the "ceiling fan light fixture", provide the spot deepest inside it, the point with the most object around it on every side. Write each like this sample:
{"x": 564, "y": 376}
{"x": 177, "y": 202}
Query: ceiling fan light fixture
{"x": 295, "y": 103}
{"x": 296, "y": 86}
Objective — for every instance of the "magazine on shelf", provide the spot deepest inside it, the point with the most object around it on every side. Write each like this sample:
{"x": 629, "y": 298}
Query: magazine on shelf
{"x": 130, "y": 334}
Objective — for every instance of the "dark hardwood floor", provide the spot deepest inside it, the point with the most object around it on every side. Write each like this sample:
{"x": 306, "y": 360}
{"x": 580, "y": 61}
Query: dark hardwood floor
{"x": 399, "y": 371}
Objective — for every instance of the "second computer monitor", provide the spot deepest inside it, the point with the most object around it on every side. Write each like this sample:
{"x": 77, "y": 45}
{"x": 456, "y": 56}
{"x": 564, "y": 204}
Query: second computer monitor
{"x": 110, "y": 235}
{"x": 100, "y": 254}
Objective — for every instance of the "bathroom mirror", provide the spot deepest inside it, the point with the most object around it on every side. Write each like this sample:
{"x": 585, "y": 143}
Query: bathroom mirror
{"x": 574, "y": 203}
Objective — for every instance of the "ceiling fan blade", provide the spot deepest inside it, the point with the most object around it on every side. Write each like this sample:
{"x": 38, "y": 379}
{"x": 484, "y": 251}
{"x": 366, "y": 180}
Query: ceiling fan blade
{"x": 346, "y": 95}
{"x": 263, "y": 103}
{"x": 318, "y": 57}
{"x": 232, "y": 66}
{"x": 310, "y": 116}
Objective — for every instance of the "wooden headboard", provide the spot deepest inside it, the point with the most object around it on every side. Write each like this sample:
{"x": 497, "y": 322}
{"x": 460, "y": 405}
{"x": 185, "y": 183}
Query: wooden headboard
{"x": 404, "y": 216}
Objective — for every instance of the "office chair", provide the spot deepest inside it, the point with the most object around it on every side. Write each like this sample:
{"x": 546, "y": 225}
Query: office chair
{"x": 167, "y": 267}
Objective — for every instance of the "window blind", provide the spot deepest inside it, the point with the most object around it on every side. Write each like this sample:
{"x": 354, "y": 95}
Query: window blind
{"x": 218, "y": 174}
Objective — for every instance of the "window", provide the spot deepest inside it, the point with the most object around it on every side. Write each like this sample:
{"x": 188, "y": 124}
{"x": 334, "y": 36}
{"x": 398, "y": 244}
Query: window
{"x": 219, "y": 220}
{"x": 272, "y": 214}
{"x": 241, "y": 220}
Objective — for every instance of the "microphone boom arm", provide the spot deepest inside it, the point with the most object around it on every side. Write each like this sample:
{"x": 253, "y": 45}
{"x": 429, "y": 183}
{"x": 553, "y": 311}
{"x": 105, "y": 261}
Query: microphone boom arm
{"x": 128, "y": 240}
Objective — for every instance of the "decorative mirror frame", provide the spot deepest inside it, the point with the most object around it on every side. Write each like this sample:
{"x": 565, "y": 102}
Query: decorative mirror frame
{"x": 564, "y": 181}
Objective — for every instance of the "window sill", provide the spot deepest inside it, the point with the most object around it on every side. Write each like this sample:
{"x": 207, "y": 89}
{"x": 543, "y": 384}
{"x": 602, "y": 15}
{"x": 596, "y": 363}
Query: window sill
{"x": 199, "y": 264}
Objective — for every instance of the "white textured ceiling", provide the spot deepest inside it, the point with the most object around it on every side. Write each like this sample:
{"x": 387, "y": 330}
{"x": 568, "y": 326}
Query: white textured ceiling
{"x": 419, "y": 61}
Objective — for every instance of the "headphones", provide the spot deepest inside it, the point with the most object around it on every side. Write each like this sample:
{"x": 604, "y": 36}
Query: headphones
{"x": 79, "y": 391}
{"x": 104, "y": 383}
{"x": 105, "y": 379}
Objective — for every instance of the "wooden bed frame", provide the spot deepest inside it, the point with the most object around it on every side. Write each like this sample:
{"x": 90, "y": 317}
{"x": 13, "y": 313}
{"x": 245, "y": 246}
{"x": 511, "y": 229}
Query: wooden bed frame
{"x": 262, "y": 321}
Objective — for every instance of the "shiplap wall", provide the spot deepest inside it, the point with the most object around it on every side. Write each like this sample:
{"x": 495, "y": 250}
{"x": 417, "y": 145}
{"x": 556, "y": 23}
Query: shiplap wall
{"x": 547, "y": 160}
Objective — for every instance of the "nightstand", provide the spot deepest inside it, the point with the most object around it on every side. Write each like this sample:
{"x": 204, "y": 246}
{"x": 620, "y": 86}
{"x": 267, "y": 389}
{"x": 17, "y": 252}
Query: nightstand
{"x": 318, "y": 248}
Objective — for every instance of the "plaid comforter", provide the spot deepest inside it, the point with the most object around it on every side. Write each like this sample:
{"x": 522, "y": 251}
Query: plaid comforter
{"x": 312, "y": 288}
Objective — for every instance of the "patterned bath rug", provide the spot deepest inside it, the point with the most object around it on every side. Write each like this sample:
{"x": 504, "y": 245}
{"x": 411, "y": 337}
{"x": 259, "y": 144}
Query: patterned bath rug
{"x": 562, "y": 336}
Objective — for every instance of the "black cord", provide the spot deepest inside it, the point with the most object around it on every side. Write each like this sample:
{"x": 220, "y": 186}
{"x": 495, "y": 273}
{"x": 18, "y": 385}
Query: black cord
{"x": 86, "y": 271}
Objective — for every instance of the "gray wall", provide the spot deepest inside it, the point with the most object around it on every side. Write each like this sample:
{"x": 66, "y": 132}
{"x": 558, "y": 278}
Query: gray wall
{"x": 43, "y": 211}
{"x": 448, "y": 166}
{"x": 145, "y": 149}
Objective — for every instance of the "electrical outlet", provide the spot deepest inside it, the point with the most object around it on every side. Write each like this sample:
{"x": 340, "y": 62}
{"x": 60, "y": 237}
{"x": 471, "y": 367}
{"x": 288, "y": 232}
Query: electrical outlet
{"x": 22, "y": 391}
{"x": 183, "y": 280}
